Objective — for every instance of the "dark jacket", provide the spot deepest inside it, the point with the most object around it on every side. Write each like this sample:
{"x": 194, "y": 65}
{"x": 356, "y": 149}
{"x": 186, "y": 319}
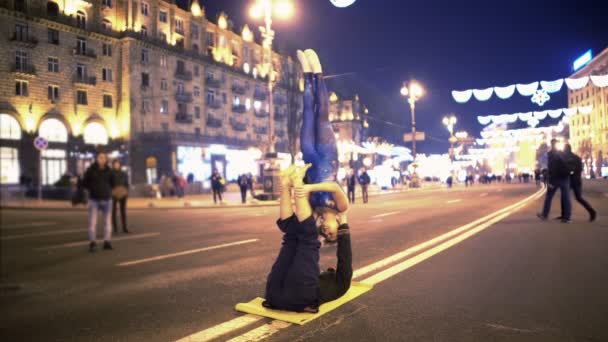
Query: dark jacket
{"x": 243, "y": 182}
{"x": 364, "y": 179}
{"x": 575, "y": 167}
{"x": 333, "y": 284}
{"x": 98, "y": 182}
{"x": 556, "y": 167}
{"x": 119, "y": 178}
{"x": 215, "y": 181}
{"x": 351, "y": 181}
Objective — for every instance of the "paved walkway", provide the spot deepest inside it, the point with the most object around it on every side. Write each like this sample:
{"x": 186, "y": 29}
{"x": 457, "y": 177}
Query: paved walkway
{"x": 231, "y": 200}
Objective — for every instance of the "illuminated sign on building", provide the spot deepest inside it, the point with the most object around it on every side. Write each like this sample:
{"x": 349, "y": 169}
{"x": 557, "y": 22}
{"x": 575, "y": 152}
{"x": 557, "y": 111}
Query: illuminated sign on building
{"x": 582, "y": 60}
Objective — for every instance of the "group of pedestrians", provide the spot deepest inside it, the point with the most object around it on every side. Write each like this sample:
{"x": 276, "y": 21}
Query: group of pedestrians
{"x": 564, "y": 172}
{"x": 174, "y": 184}
{"x": 351, "y": 183}
{"x": 108, "y": 188}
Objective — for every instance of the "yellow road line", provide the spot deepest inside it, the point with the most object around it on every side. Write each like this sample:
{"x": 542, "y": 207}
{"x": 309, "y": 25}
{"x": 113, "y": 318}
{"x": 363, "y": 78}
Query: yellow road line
{"x": 454, "y": 201}
{"x": 222, "y": 329}
{"x": 192, "y": 251}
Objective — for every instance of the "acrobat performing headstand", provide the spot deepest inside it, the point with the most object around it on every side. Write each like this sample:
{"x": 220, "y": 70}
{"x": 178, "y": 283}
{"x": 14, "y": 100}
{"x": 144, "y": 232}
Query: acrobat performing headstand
{"x": 295, "y": 282}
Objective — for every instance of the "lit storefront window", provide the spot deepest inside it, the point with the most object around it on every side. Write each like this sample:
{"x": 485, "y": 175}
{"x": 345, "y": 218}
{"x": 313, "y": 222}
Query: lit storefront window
{"x": 9, "y": 165}
{"x": 151, "y": 170}
{"x": 53, "y": 130}
{"x": 190, "y": 161}
{"x": 54, "y": 164}
{"x": 95, "y": 134}
{"x": 9, "y": 128}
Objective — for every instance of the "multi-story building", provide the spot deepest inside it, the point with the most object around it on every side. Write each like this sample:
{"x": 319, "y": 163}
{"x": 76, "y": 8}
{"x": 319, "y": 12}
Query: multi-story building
{"x": 589, "y": 132}
{"x": 349, "y": 120}
{"x": 159, "y": 86}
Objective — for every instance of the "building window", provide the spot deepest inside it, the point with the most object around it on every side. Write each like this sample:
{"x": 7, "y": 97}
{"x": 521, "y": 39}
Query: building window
{"x": 81, "y": 46}
{"x": 145, "y": 8}
{"x": 162, "y": 16}
{"x": 197, "y": 91}
{"x": 210, "y": 38}
{"x": 197, "y": 131}
{"x": 181, "y": 67}
{"x": 179, "y": 42}
{"x": 53, "y": 93}
{"x": 144, "y": 31}
{"x": 248, "y": 103}
{"x": 9, "y": 165}
{"x": 164, "y": 107}
{"x": 151, "y": 172}
{"x": 163, "y": 84}
{"x": 179, "y": 26}
{"x": 224, "y": 98}
{"x": 106, "y": 49}
{"x": 145, "y": 79}
{"x": 53, "y": 64}
{"x": 106, "y": 3}
{"x": 81, "y": 97}
{"x": 95, "y": 134}
{"x": 9, "y": 128}
{"x": 180, "y": 88}
{"x": 145, "y": 56}
{"x": 106, "y": 74}
{"x": 163, "y": 37}
{"x": 163, "y": 60}
{"x": 21, "y": 88}
{"x": 182, "y": 108}
{"x": 107, "y": 101}
{"x": 195, "y": 48}
{"x": 81, "y": 20}
{"x": 246, "y": 54}
{"x": 53, "y": 130}
{"x": 20, "y": 32}
{"x": 81, "y": 72}
{"x": 106, "y": 24}
{"x": 53, "y": 36}
{"x": 52, "y": 9}
{"x": 145, "y": 106}
{"x": 236, "y": 101}
{"x": 54, "y": 164}
{"x": 20, "y": 60}
{"x": 197, "y": 112}
{"x": 196, "y": 71}
{"x": 194, "y": 31}
{"x": 210, "y": 96}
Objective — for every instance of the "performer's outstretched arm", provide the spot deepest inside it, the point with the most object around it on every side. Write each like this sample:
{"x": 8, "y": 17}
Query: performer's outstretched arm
{"x": 331, "y": 187}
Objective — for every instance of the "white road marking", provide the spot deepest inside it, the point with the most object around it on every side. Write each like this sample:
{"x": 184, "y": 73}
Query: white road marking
{"x": 29, "y": 224}
{"x": 221, "y": 329}
{"x": 274, "y": 326}
{"x": 192, "y": 251}
{"x": 56, "y": 232}
{"x": 375, "y": 221}
{"x": 454, "y": 201}
{"x": 84, "y": 243}
{"x": 386, "y": 214}
{"x": 484, "y": 194}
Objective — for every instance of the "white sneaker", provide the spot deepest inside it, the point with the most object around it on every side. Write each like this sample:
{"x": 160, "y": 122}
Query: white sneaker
{"x": 304, "y": 62}
{"x": 313, "y": 61}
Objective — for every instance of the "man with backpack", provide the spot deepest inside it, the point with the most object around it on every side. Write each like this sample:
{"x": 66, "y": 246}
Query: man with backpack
{"x": 558, "y": 178}
{"x": 574, "y": 164}
{"x": 244, "y": 186}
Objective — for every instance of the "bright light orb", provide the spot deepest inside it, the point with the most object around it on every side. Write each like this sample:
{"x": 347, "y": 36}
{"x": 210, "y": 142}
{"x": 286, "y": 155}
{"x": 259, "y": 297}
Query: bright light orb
{"x": 283, "y": 9}
{"x": 342, "y": 3}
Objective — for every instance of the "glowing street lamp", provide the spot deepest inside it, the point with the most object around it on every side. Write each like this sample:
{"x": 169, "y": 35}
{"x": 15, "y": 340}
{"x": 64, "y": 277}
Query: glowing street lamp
{"x": 449, "y": 123}
{"x": 412, "y": 91}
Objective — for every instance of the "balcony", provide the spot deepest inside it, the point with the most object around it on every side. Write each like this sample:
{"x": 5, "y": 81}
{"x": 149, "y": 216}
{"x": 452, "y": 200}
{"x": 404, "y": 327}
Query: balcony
{"x": 215, "y": 104}
{"x": 279, "y": 133}
{"x": 88, "y": 80}
{"x": 23, "y": 39}
{"x": 239, "y": 109}
{"x": 84, "y": 53}
{"x": 183, "y": 97}
{"x": 214, "y": 122}
{"x": 260, "y": 130}
{"x": 25, "y": 69}
{"x": 183, "y": 75}
{"x": 213, "y": 83}
{"x": 280, "y": 116}
{"x": 183, "y": 118}
{"x": 239, "y": 89}
{"x": 279, "y": 100}
{"x": 260, "y": 95}
{"x": 261, "y": 113}
{"x": 238, "y": 126}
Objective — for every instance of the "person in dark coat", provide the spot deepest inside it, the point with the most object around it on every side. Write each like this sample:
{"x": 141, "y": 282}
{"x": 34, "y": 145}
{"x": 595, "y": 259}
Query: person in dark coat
{"x": 98, "y": 181}
{"x": 364, "y": 180}
{"x": 120, "y": 193}
{"x": 243, "y": 186}
{"x": 351, "y": 183}
{"x": 574, "y": 164}
{"x": 558, "y": 178}
{"x": 216, "y": 185}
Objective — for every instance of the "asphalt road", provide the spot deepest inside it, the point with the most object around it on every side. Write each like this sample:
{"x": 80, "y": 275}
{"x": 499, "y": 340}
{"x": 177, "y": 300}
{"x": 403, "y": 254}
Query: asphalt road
{"x": 181, "y": 272}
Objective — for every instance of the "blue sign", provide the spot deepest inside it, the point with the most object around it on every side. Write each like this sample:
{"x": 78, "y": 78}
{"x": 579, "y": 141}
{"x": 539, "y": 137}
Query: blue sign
{"x": 40, "y": 143}
{"x": 582, "y": 60}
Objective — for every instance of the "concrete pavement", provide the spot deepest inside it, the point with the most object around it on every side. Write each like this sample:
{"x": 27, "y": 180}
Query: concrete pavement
{"x": 496, "y": 285}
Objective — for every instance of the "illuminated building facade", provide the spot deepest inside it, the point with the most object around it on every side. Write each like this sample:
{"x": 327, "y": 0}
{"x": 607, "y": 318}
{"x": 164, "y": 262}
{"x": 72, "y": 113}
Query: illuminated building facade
{"x": 161, "y": 87}
{"x": 349, "y": 120}
{"x": 589, "y": 132}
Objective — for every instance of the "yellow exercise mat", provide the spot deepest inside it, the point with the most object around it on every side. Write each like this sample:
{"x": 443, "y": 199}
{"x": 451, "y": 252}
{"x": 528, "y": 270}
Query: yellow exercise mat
{"x": 255, "y": 306}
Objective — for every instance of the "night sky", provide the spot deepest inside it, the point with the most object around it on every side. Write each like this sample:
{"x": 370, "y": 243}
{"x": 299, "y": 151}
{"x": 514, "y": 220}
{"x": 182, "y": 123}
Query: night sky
{"x": 443, "y": 44}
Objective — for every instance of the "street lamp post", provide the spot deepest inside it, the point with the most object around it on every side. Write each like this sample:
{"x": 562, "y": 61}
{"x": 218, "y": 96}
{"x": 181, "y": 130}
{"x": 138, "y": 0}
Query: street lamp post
{"x": 265, "y": 9}
{"x": 449, "y": 123}
{"x": 412, "y": 91}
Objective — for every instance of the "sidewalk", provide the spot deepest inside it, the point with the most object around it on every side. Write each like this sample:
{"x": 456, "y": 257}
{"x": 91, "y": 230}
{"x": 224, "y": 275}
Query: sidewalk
{"x": 231, "y": 200}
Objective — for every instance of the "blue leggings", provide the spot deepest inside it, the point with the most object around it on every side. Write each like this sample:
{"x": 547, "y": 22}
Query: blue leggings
{"x": 317, "y": 139}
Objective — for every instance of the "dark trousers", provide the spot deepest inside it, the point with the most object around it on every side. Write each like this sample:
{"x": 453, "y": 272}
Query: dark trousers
{"x": 351, "y": 194}
{"x": 564, "y": 187}
{"x": 122, "y": 202}
{"x": 217, "y": 192}
{"x": 577, "y": 188}
{"x": 243, "y": 194}
{"x": 293, "y": 282}
{"x": 364, "y": 192}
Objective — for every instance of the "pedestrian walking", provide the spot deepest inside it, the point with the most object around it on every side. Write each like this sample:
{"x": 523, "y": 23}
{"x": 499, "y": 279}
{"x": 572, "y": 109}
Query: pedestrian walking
{"x": 243, "y": 186}
{"x": 98, "y": 181}
{"x": 120, "y": 193}
{"x": 180, "y": 184}
{"x": 558, "y": 178}
{"x": 351, "y": 182}
{"x": 574, "y": 164}
{"x": 216, "y": 185}
{"x": 364, "y": 181}
{"x": 250, "y": 181}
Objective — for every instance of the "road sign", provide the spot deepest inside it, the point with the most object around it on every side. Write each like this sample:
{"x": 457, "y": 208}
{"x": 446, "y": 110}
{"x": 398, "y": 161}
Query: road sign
{"x": 420, "y": 136}
{"x": 41, "y": 143}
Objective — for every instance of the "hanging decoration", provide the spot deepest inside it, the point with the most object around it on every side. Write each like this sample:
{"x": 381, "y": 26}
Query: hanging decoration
{"x": 533, "y": 122}
{"x": 505, "y": 92}
{"x": 552, "y": 86}
{"x": 577, "y": 83}
{"x": 600, "y": 81}
{"x": 539, "y": 115}
{"x": 570, "y": 111}
{"x": 527, "y": 89}
{"x": 483, "y": 94}
{"x": 462, "y": 96}
{"x": 555, "y": 113}
{"x": 540, "y": 97}
{"x": 484, "y": 120}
